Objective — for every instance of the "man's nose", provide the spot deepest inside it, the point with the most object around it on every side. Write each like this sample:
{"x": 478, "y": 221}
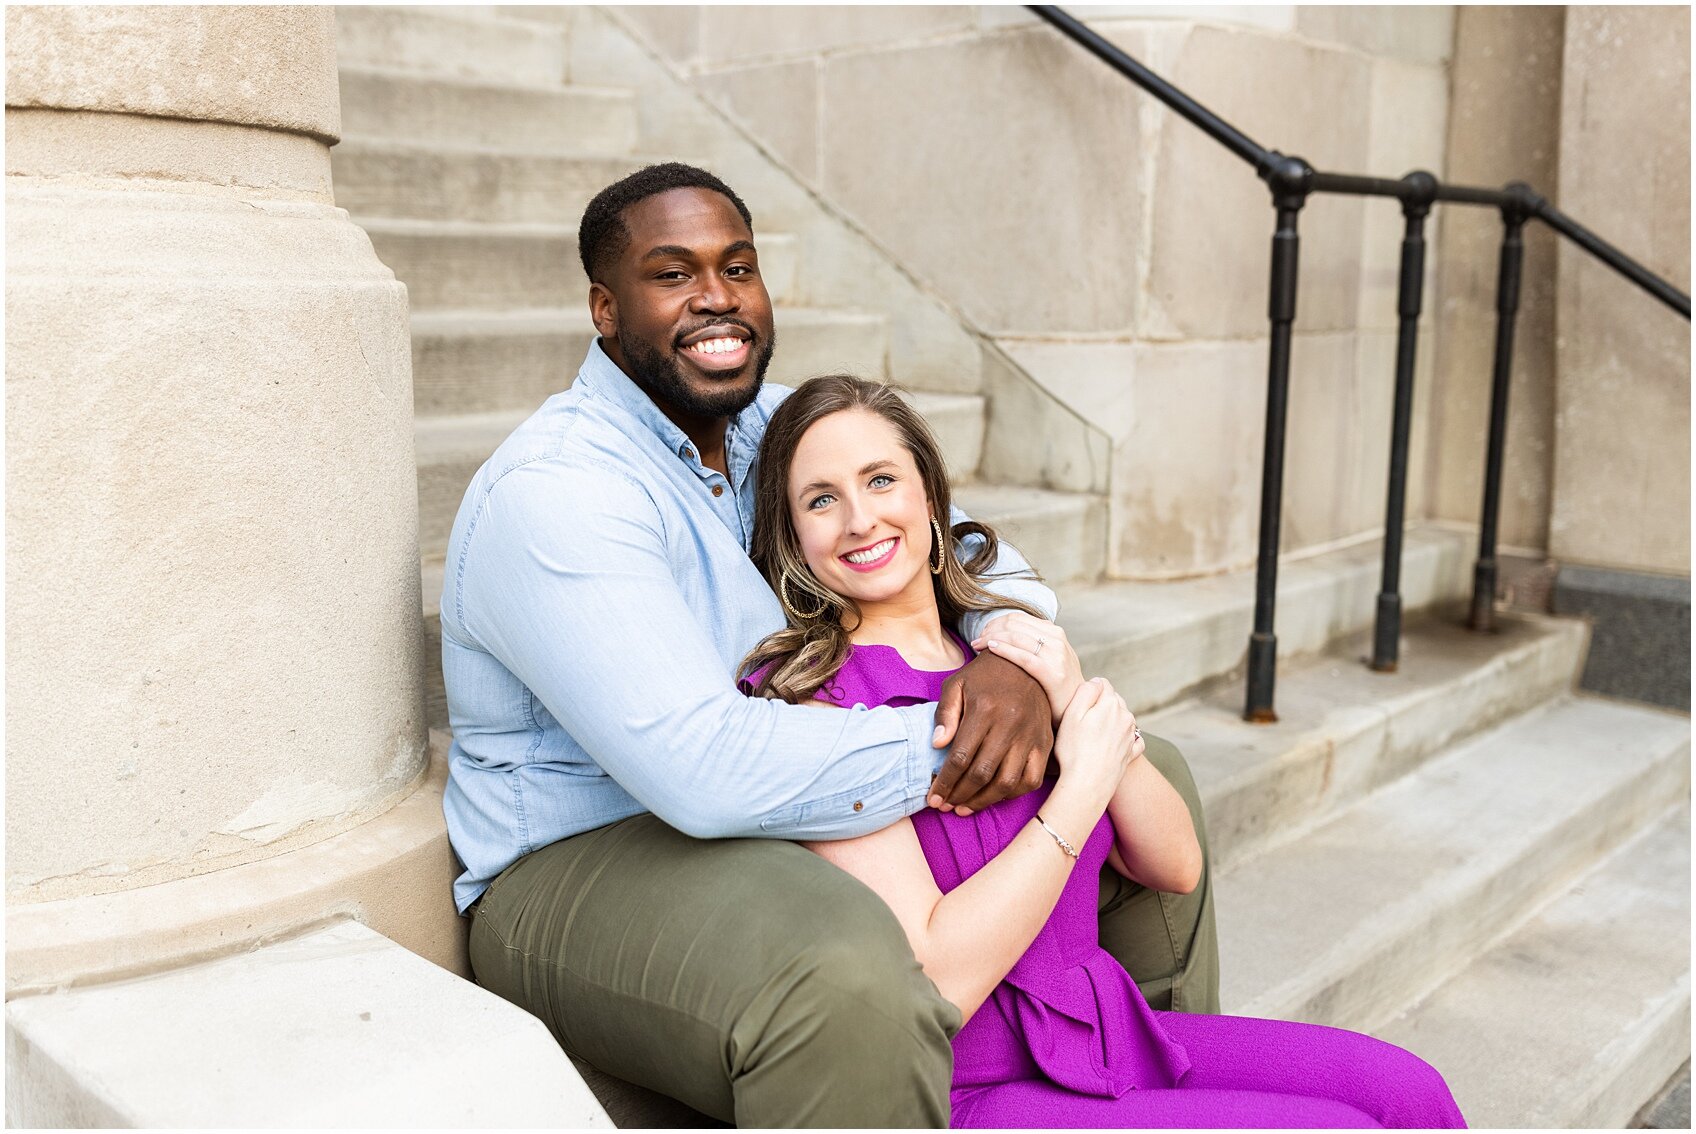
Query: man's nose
{"x": 715, "y": 295}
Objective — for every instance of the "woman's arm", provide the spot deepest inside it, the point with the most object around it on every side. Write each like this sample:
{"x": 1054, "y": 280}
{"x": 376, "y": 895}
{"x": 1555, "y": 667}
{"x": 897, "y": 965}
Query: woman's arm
{"x": 1154, "y": 839}
{"x": 968, "y": 939}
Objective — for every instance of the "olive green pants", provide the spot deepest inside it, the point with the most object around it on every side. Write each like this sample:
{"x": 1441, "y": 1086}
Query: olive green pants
{"x": 759, "y": 984}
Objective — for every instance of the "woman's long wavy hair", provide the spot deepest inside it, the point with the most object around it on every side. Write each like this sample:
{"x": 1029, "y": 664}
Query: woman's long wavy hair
{"x": 807, "y": 654}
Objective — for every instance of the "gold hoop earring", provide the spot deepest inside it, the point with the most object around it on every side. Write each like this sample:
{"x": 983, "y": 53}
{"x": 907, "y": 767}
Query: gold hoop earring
{"x": 789, "y": 607}
{"x": 941, "y": 548}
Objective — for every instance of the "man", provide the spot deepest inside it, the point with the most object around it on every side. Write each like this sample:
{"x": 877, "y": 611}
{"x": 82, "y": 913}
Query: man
{"x": 622, "y": 813}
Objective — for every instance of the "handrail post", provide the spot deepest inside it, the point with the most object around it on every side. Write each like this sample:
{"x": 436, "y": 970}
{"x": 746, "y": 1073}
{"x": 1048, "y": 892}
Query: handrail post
{"x": 1515, "y": 212}
{"x": 1291, "y": 179}
{"x": 1416, "y": 206}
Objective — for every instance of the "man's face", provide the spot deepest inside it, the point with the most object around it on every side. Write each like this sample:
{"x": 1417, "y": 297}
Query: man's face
{"x": 684, "y": 312}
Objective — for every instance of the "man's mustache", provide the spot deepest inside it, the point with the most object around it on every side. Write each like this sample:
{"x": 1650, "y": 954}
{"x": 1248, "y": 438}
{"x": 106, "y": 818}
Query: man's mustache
{"x": 727, "y": 321}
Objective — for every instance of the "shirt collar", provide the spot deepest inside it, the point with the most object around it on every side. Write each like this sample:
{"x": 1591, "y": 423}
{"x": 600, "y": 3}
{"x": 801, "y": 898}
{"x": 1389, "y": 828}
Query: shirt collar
{"x": 602, "y": 377}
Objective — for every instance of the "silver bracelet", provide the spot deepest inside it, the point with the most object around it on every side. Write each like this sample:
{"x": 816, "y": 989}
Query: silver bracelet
{"x": 1071, "y": 851}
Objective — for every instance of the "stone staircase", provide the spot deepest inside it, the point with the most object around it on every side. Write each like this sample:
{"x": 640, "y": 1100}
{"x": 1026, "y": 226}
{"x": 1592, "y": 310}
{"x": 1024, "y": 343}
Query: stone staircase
{"x": 1463, "y": 857}
{"x": 470, "y": 176}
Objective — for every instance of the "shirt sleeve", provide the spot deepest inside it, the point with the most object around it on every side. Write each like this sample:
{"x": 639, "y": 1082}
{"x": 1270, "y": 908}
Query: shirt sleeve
{"x": 567, "y": 580}
{"x": 1012, "y": 577}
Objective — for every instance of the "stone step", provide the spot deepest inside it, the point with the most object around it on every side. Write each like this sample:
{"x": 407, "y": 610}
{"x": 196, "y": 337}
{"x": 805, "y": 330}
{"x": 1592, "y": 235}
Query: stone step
{"x": 448, "y": 42}
{"x": 450, "y": 449}
{"x": 1062, "y": 523}
{"x": 502, "y": 114}
{"x": 480, "y": 268}
{"x": 1581, "y": 1015}
{"x": 1061, "y": 534}
{"x": 1345, "y": 731}
{"x": 339, "y": 1026}
{"x": 375, "y": 178}
{"x": 1160, "y": 642}
{"x": 1377, "y": 906}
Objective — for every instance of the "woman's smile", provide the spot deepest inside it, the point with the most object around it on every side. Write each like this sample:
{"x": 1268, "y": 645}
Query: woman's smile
{"x": 872, "y": 558}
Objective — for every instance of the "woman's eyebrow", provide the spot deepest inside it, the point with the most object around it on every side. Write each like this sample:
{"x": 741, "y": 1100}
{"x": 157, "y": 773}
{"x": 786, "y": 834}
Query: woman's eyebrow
{"x": 884, "y": 463}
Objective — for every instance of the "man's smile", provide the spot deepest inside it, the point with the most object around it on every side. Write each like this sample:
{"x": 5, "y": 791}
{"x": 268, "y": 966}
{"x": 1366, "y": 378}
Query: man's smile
{"x": 722, "y": 346}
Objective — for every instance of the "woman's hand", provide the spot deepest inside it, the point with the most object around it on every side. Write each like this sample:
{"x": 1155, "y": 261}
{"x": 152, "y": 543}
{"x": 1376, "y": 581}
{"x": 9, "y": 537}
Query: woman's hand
{"x": 1040, "y": 648}
{"x": 1097, "y": 742}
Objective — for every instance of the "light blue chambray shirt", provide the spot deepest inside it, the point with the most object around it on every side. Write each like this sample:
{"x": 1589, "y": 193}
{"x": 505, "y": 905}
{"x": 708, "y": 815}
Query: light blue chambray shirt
{"x": 597, "y": 599}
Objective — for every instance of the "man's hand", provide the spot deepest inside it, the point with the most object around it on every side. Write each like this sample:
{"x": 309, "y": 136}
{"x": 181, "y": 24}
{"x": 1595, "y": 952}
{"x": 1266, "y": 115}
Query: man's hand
{"x": 995, "y": 719}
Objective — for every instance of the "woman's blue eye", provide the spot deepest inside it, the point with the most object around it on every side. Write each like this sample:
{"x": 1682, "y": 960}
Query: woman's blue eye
{"x": 820, "y": 501}
{"x": 884, "y": 478}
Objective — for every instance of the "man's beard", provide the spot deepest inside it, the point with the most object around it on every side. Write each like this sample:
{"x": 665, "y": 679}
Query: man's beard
{"x": 663, "y": 381}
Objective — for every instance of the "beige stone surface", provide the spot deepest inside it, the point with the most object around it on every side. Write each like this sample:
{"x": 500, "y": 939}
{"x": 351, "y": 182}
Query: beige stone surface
{"x": 1032, "y": 438}
{"x": 92, "y": 146}
{"x": 1186, "y": 480}
{"x": 737, "y": 32}
{"x": 1277, "y": 17}
{"x": 779, "y": 104}
{"x": 1423, "y": 33}
{"x": 1410, "y": 106}
{"x": 1622, "y": 450}
{"x": 254, "y": 66}
{"x": 394, "y": 874}
{"x": 1504, "y": 126}
{"x": 1035, "y": 226}
{"x": 1212, "y": 222}
{"x": 213, "y": 649}
{"x": 339, "y": 1027}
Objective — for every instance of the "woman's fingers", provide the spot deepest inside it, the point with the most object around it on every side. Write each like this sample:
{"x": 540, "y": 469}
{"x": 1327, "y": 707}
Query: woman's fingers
{"x": 1030, "y": 661}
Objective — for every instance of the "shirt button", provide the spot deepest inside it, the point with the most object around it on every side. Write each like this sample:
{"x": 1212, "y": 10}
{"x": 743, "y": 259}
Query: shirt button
{"x": 688, "y": 453}
{"x": 718, "y": 490}
{"x": 858, "y": 806}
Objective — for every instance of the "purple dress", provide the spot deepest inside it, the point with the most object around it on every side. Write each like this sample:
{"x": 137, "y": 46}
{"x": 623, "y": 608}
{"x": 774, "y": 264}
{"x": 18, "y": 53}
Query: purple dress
{"x": 1067, "y": 1040}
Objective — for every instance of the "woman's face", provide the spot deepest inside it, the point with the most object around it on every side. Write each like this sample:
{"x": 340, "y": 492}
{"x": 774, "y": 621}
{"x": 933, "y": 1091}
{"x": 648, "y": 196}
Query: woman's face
{"x": 860, "y": 510}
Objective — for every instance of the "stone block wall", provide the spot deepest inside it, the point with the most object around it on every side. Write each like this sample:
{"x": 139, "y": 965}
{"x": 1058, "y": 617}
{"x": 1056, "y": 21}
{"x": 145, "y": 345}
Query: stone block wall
{"x": 1111, "y": 249}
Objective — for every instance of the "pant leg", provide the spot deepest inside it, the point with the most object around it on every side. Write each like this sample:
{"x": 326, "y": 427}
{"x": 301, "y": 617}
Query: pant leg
{"x": 746, "y": 977}
{"x": 1238, "y": 1053}
{"x": 1167, "y": 942}
{"x": 1036, "y": 1104}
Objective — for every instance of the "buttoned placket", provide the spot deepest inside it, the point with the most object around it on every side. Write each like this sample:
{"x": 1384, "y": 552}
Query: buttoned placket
{"x": 719, "y": 488}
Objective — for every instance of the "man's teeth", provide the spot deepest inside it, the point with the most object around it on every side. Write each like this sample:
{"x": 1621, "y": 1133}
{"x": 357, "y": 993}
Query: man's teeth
{"x": 874, "y": 552}
{"x": 716, "y": 346}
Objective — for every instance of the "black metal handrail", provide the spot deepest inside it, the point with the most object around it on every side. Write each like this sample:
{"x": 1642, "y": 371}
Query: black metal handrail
{"x": 1292, "y": 181}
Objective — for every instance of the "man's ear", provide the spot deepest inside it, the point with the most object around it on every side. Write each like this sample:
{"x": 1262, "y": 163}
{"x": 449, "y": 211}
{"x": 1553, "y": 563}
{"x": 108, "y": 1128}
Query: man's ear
{"x": 603, "y": 311}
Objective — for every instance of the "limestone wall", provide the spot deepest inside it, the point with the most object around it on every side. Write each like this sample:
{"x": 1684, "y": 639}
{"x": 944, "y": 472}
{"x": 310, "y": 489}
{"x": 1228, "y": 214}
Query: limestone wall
{"x": 213, "y": 641}
{"x": 1112, "y": 250}
{"x": 1504, "y": 125}
{"x": 1621, "y": 486}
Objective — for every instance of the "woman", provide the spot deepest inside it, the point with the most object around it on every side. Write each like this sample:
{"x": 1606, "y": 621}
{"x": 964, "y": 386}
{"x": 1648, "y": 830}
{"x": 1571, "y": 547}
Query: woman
{"x": 1000, "y": 906}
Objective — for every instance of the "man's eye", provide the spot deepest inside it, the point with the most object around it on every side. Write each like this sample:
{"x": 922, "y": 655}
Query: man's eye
{"x": 673, "y": 274}
{"x": 820, "y": 501}
{"x": 739, "y": 270}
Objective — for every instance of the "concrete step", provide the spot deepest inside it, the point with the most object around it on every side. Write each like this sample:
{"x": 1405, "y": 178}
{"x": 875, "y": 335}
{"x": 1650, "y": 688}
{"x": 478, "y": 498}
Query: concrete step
{"x": 503, "y": 114}
{"x": 474, "y": 267}
{"x": 1377, "y": 906}
{"x": 1062, "y": 523}
{"x": 451, "y": 43}
{"x": 1346, "y": 731}
{"x": 1578, "y": 1017}
{"x": 957, "y": 422}
{"x": 1160, "y": 642}
{"x": 339, "y": 1026}
{"x": 375, "y": 178}
{"x": 450, "y": 449}
{"x": 1062, "y": 534}
{"x": 479, "y": 361}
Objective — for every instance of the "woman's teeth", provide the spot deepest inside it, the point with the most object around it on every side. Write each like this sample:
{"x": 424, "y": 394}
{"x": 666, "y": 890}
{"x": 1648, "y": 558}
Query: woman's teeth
{"x": 716, "y": 346}
{"x": 871, "y": 554}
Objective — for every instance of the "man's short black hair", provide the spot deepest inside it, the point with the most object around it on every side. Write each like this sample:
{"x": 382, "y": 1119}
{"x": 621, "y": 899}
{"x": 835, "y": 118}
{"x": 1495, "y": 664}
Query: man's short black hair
{"x": 603, "y": 236}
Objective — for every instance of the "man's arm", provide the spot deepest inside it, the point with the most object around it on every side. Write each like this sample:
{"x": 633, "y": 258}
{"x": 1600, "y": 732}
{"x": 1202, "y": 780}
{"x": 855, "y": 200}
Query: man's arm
{"x": 566, "y": 580}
